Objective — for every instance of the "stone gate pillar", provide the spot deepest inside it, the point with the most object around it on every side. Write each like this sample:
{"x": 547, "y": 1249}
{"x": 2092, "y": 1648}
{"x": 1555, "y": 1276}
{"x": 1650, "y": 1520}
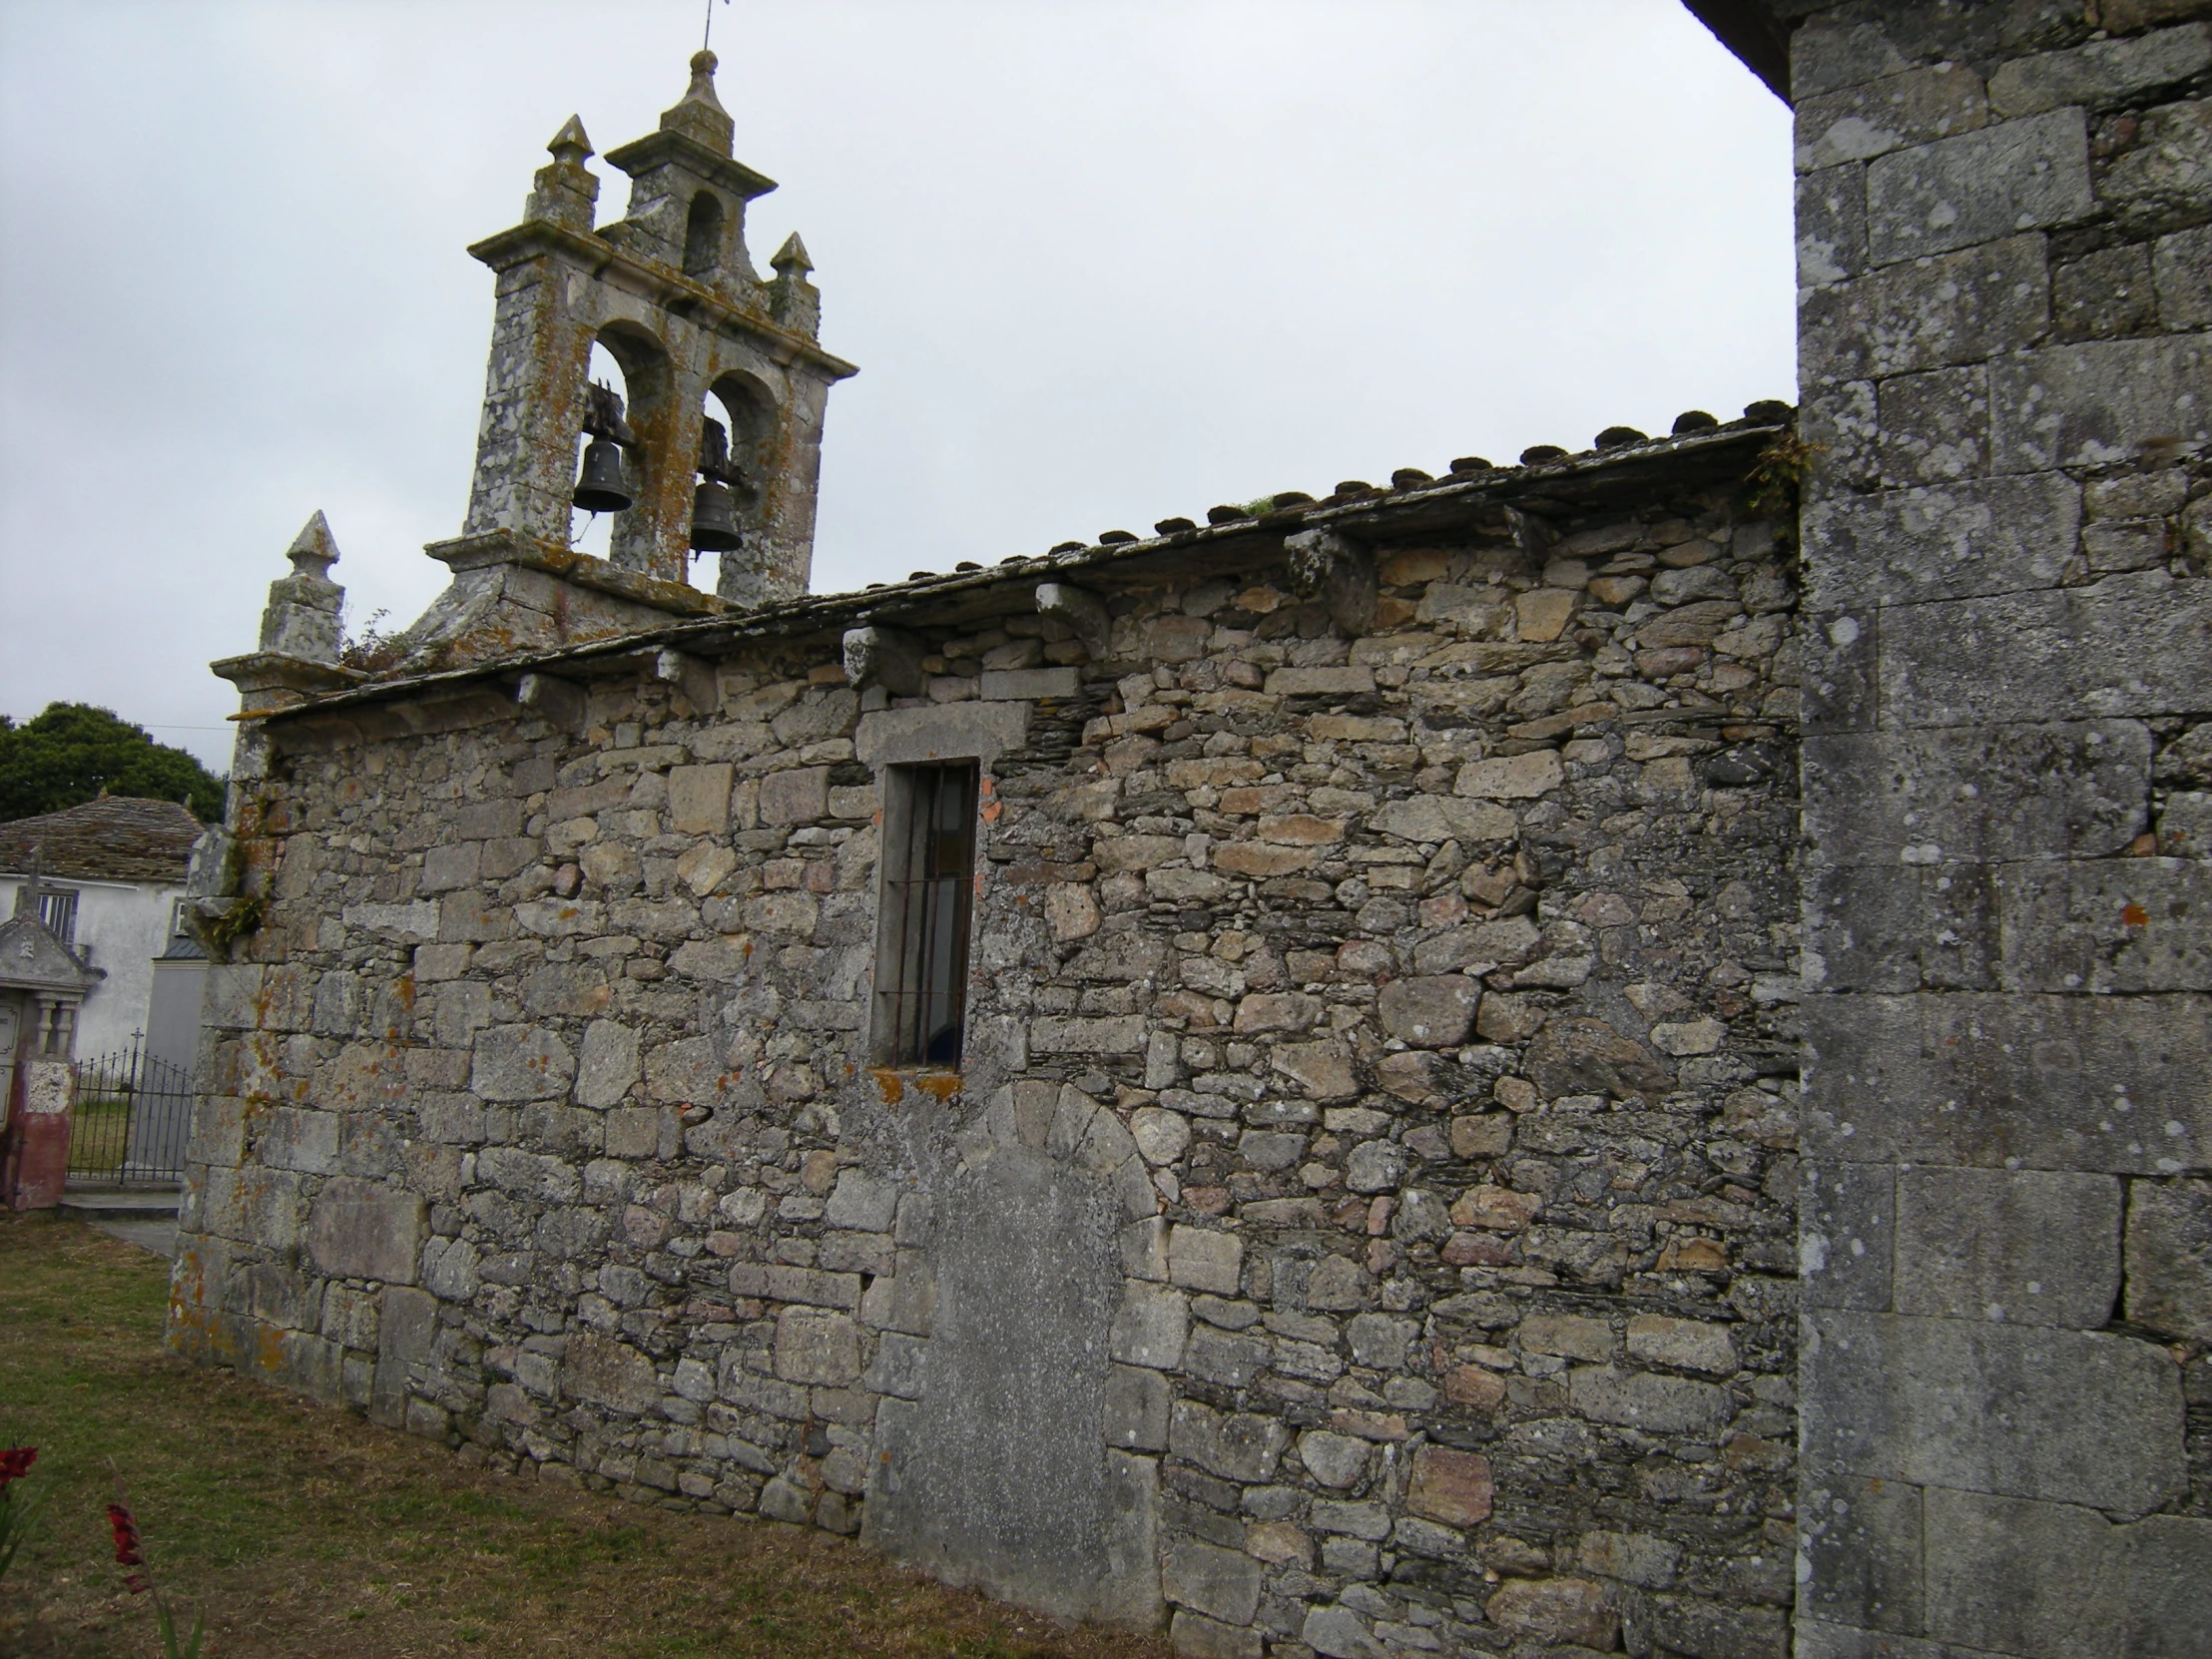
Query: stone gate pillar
{"x": 2005, "y": 287}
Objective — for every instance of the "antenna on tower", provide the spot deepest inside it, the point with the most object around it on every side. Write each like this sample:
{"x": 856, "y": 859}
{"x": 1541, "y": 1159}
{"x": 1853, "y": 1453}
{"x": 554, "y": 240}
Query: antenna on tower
{"x": 707, "y": 35}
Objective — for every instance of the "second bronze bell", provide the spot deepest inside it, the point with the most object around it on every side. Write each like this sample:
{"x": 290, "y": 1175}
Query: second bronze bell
{"x": 715, "y": 518}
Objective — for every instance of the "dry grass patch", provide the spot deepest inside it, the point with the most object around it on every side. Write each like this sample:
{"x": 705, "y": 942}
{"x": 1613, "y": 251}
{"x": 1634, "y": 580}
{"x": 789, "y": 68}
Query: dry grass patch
{"x": 307, "y": 1533}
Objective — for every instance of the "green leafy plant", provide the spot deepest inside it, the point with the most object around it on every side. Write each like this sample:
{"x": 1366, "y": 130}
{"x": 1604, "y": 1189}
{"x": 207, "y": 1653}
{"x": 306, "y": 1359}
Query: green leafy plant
{"x": 372, "y": 648}
{"x": 221, "y": 932}
{"x": 1776, "y": 478}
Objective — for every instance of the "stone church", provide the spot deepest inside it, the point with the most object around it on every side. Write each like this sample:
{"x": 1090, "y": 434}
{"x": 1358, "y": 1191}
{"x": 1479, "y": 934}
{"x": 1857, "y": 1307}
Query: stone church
{"x": 1602, "y": 1052}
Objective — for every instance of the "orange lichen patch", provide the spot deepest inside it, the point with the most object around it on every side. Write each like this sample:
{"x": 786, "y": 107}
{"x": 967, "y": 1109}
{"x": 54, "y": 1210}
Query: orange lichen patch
{"x": 269, "y": 1350}
{"x": 942, "y": 1084}
{"x": 2134, "y": 915}
{"x": 889, "y": 1084}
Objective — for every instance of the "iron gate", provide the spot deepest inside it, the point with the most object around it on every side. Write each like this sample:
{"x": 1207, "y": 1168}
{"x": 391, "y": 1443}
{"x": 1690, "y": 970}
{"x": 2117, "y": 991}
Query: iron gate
{"x": 130, "y": 1119}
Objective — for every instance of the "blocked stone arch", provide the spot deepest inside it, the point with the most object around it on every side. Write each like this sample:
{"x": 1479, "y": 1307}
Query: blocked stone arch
{"x": 704, "y": 235}
{"x": 1009, "y": 1461}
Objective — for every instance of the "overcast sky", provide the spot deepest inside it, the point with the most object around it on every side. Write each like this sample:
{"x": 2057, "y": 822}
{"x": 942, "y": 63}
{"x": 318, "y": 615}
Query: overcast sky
{"x": 1101, "y": 263}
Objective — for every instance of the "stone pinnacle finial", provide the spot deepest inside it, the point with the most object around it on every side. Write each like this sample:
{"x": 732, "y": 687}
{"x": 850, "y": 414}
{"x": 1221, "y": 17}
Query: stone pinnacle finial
{"x": 791, "y": 259}
{"x": 313, "y": 551}
{"x": 571, "y": 144}
{"x": 702, "y": 88}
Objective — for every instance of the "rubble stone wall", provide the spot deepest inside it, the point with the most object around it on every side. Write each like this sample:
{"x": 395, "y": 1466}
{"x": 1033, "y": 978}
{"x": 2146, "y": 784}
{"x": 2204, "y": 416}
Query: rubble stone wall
{"x": 1366, "y": 1223}
{"x": 2005, "y": 236}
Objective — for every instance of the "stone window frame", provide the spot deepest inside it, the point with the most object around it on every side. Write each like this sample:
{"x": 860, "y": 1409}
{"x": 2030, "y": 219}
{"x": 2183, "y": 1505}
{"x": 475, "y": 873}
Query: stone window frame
{"x": 915, "y": 942}
{"x": 945, "y": 734}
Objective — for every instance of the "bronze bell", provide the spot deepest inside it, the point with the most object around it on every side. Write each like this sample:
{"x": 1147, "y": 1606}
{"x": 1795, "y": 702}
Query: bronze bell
{"x": 601, "y": 488}
{"x": 714, "y": 524}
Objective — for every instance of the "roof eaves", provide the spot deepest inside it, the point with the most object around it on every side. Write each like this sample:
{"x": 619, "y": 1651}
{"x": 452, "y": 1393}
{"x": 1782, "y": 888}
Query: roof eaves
{"x": 818, "y": 612}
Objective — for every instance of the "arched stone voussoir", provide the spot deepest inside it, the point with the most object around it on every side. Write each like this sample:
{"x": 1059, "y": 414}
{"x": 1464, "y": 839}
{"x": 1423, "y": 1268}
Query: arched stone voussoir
{"x": 1132, "y": 1184}
{"x": 1106, "y": 1145}
{"x": 1071, "y": 1121}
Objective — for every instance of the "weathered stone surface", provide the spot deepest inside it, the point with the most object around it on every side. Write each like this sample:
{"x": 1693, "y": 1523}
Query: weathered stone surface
{"x": 1429, "y": 1013}
{"x": 1338, "y": 1633}
{"x": 357, "y": 1229}
{"x": 1569, "y": 1334}
{"x": 608, "y": 1065}
{"x": 1440, "y": 818}
{"x": 1335, "y": 1461}
{"x": 1689, "y": 1345}
{"x": 2117, "y": 926}
{"x": 1223, "y": 1584}
{"x": 1239, "y": 1445}
{"x": 1831, "y": 226}
{"x": 1983, "y": 1054}
{"x": 1647, "y": 1400}
{"x": 1454, "y": 1488}
{"x": 1556, "y": 1610}
{"x": 1977, "y": 793}
{"x": 2053, "y": 1578}
{"x": 1860, "y": 123}
{"x": 609, "y": 1374}
{"x": 1512, "y": 776}
{"x": 1947, "y": 541}
{"x": 1975, "y": 188}
{"x": 2129, "y": 645}
{"x": 1846, "y": 1232}
{"x": 2099, "y": 402}
{"x": 2170, "y": 1258}
{"x": 1634, "y": 1557}
{"x": 1863, "y": 1545}
{"x": 2168, "y": 171}
{"x": 1122, "y": 1035}
{"x": 2100, "y": 72}
{"x": 699, "y": 800}
{"x": 1897, "y": 322}
{"x": 2028, "y": 1246}
{"x": 1583, "y": 1056}
{"x": 2182, "y": 274}
{"x": 1150, "y": 1328}
{"x": 1200, "y": 1259}
{"x": 813, "y": 1344}
{"x": 521, "y": 1062}
{"x": 2020, "y": 1410}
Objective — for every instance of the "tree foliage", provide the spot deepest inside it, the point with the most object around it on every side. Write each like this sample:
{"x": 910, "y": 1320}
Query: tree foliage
{"x": 70, "y": 752}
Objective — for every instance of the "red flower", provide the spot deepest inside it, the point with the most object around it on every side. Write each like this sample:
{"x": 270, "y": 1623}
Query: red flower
{"x": 129, "y": 1551}
{"x": 15, "y": 1463}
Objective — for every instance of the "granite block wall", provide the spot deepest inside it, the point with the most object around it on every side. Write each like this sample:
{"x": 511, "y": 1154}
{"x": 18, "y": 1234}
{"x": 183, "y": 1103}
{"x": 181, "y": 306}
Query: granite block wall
{"x": 2005, "y": 258}
{"x": 1364, "y": 1224}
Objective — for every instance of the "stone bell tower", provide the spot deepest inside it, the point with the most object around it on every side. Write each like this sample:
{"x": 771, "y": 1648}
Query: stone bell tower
{"x": 673, "y": 295}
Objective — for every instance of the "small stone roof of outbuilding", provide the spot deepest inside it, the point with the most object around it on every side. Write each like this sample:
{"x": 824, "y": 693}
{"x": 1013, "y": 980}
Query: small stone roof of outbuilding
{"x": 114, "y": 838}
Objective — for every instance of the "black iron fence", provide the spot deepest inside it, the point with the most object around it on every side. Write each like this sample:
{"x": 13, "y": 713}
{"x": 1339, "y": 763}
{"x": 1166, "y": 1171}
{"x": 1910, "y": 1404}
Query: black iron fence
{"x": 129, "y": 1120}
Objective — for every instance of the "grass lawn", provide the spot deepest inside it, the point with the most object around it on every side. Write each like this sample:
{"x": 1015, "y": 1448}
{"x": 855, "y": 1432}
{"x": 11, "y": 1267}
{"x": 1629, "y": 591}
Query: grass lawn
{"x": 306, "y": 1531}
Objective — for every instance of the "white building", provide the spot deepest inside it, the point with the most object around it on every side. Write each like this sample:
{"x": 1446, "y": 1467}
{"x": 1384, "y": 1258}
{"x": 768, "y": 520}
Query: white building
{"x": 113, "y": 879}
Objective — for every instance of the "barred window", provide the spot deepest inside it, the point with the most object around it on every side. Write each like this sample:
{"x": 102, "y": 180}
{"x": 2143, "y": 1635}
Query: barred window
{"x": 928, "y": 887}
{"x": 57, "y": 909}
